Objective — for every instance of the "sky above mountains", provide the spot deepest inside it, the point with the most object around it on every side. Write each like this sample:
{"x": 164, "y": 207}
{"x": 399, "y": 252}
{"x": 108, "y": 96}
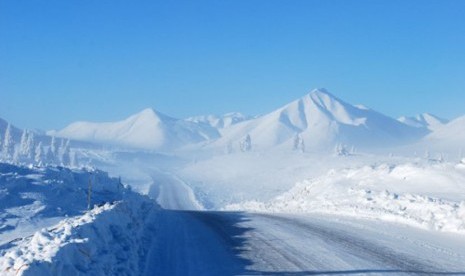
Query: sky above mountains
{"x": 63, "y": 61}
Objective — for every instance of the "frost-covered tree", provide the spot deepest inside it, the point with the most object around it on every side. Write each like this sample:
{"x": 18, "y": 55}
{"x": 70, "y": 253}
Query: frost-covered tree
{"x": 54, "y": 146}
{"x": 23, "y": 143}
{"x": 17, "y": 158}
{"x": 340, "y": 150}
{"x": 299, "y": 144}
{"x": 53, "y": 153}
{"x": 49, "y": 158}
{"x": 25, "y": 152}
{"x": 246, "y": 144}
{"x": 39, "y": 154}
{"x": 74, "y": 160}
{"x": 30, "y": 146}
{"x": 65, "y": 154}
{"x": 8, "y": 148}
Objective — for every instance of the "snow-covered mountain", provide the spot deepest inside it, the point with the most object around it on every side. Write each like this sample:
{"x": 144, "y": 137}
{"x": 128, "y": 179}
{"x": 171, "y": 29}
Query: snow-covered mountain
{"x": 322, "y": 120}
{"x": 425, "y": 120}
{"x": 220, "y": 122}
{"x": 450, "y": 135}
{"x": 148, "y": 129}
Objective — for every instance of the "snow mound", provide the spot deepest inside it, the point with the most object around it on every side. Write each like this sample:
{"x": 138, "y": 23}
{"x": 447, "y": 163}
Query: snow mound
{"x": 108, "y": 240}
{"x": 32, "y": 197}
{"x": 430, "y": 196}
{"x": 148, "y": 129}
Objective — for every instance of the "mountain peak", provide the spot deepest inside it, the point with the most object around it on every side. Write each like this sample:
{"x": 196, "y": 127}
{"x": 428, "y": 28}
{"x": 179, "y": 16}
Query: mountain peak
{"x": 148, "y": 111}
{"x": 320, "y": 92}
{"x": 150, "y": 114}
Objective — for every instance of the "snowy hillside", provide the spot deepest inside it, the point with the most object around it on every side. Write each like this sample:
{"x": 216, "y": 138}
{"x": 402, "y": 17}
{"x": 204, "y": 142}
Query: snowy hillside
{"x": 425, "y": 120}
{"x": 220, "y": 122}
{"x": 450, "y": 136}
{"x": 322, "y": 120}
{"x": 148, "y": 129}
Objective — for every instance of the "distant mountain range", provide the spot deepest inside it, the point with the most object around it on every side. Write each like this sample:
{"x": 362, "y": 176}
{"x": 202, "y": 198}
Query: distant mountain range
{"x": 148, "y": 129}
{"x": 322, "y": 120}
{"x": 319, "y": 119}
{"x": 424, "y": 120}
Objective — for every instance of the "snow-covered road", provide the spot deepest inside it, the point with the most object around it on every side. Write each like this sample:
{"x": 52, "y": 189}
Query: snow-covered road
{"x": 193, "y": 242}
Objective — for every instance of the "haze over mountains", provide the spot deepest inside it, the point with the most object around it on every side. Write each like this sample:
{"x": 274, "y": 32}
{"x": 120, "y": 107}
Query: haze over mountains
{"x": 319, "y": 118}
{"x": 148, "y": 129}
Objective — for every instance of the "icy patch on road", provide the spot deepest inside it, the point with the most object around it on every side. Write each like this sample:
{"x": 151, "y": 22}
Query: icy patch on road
{"x": 431, "y": 196}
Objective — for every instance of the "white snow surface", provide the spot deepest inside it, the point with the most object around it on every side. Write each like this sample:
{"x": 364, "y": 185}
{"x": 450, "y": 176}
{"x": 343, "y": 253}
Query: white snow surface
{"x": 450, "y": 136}
{"x": 46, "y": 227}
{"x": 41, "y": 195}
{"x": 108, "y": 240}
{"x": 47, "y": 230}
{"x": 322, "y": 120}
{"x": 429, "y": 195}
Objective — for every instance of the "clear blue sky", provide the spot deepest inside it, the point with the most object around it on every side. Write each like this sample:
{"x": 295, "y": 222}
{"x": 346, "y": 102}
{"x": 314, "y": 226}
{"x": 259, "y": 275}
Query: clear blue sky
{"x": 62, "y": 61}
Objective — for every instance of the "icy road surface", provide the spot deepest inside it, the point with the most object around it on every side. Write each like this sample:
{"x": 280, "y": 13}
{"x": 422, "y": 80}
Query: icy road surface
{"x": 195, "y": 242}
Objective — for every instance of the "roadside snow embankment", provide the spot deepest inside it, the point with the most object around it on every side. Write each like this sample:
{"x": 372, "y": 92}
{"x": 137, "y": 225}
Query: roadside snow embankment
{"x": 109, "y": 240}
{"x": 431, "y": 196}
{"x": 46, "y": 229}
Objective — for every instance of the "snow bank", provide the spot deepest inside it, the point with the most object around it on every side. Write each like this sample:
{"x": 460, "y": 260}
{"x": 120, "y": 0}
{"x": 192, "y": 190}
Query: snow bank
{"x": 109, "y": 240}
{"x": 46, "y": 229}
{"x": 35, "y": 197}
{"x": 431, "y": 195}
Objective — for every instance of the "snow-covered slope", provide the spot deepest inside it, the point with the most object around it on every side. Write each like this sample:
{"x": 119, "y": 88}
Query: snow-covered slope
{"x": 31, "y": 195}
{"x": 220, "y": 122}
{"x": 429, "y": 195}
{"x": 43, "y": 230}
{"x": 451, "y": 135}
{"x": 425, "y": 120}
{"x": 322, "y": 120}
{"x": 148, "y": 129}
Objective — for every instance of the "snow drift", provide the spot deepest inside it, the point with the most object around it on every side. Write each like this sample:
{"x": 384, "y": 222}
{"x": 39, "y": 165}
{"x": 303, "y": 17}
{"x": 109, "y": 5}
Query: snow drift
{"x": 109, "y": 240}
{"x": 47, "y": 230}
{"x": 430, "y": 196}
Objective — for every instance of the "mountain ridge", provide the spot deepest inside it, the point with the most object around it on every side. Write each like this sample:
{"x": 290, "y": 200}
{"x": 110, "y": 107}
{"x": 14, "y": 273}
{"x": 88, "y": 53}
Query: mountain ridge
{"x": 321, "y": 119}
